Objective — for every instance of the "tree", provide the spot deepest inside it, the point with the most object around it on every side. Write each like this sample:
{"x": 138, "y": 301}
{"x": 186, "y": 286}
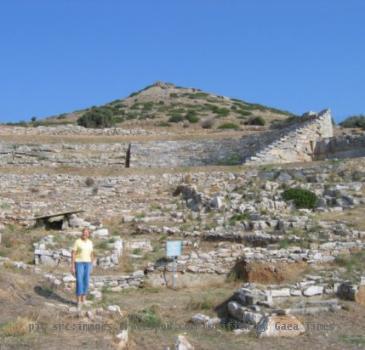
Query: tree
{"x": 97, "y": 118}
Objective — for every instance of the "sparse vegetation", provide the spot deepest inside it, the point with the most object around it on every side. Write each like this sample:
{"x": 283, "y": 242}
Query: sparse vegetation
{"x": 229, "y": 126}
{"x": 256, "y": 121}
{"x": 176, "y": 118}
{"x": 17, "y": 328}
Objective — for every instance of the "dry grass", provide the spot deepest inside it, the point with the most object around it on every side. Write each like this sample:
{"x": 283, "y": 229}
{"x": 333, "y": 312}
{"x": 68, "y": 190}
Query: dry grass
{"x": 352, "y": 217}
{"x": 200, "y": 134}
{"x": 17, "y": 242}
{"x": 16, "y": 328}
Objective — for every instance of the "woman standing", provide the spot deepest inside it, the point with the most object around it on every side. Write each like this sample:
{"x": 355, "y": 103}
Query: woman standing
{"x": 82, "y": 258}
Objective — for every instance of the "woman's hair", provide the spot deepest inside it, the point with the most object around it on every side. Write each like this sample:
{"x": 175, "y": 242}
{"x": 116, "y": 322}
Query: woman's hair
{"x": 86, "y": 229}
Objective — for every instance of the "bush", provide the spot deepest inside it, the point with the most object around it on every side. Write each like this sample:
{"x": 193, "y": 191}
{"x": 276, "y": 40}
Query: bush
{"x": 356, "y": 121}
{"x": 302, "y": 198}
{"x": 97, "y": 118}
{"x": 192, "y": 117}
{"x": 229, "y": 126}
{"x": 176, "y": 118}
{"x": 256, "y": 121}
{"x": 220, "y": 112}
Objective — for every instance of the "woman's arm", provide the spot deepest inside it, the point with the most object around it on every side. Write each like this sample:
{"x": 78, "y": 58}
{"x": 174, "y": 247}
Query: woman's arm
{"x": 73, "y": 253}
{"x": 93, "y": 258}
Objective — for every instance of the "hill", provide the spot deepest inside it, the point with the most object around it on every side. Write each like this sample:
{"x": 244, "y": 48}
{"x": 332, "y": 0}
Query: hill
{"x": 165, "y": 104}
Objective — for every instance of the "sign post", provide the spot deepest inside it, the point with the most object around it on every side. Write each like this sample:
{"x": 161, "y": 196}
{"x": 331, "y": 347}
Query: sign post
{"x": 173, "y": 250}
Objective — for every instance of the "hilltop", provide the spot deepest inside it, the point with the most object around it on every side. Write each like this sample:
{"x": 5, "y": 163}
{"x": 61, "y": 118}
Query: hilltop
{"x": 166, "y": 105}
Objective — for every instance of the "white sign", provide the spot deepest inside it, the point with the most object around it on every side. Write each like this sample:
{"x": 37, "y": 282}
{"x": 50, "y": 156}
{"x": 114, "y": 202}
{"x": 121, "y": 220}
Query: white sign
{"x": 173, "y": 248}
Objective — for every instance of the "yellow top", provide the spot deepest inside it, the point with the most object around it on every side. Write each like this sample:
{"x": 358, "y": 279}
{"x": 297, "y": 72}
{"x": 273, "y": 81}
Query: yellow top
{"x": 83, "y": 250}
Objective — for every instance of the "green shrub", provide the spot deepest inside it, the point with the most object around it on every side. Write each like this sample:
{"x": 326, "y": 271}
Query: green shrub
{"x": 97, "y": 118}
{"x": 256, "y": 121}
{"x": 148, "y": 317}
{"x": 229, "y": 126}
{"x": 192, "y": 117}
{"x": 221, "y": 112}
{"x": 238, "y": 217}
{"x": 356, "y": 121}
{"x": 302, "y": 198}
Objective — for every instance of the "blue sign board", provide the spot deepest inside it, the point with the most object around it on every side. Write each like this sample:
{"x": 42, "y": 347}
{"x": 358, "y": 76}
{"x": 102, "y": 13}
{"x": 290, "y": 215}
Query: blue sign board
{"x": 173, "y": 248}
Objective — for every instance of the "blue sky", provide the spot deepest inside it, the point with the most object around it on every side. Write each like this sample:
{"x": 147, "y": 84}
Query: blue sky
{"x": 59, "y": 56}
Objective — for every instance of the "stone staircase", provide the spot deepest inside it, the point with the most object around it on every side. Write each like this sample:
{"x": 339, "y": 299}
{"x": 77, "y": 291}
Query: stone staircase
{"x": 296, "y": 142}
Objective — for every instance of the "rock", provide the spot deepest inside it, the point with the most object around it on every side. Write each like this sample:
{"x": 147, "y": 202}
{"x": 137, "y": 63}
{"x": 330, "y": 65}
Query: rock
{"x": 114, "y": 309}
{"x": 101, "y": 232}
{"x": 217, "y": 202}
{"x": 96, "y": 293}
{"x": 284, "y": 177}
{"x": 249, "y": 296}
{"x": 240, "y": 313}
{"x": 138, "y": 274}
{"x": 313, "y": 290}
{"x": 90, "y": 315}
{"x": 75, "y": 221}
{"x": 182, "y": 343}
{"x": 279, "y": 326}
{"x": 213, "y": 321}
{"x": 283, "y": 292}
{"x": 346, "y": 291}
{"x": 360, "y": 295}
{"x": 69, "y": 278}
{"x": 200, "y": 319}
{"x": 122, "y": 339}
{"x": 295, "y": 292}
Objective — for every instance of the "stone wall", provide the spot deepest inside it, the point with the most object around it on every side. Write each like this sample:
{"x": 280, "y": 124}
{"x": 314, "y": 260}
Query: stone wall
{"x": 293, "y": 143}
{"x": 348, "y": 146}
{"x": 78, "y": 155}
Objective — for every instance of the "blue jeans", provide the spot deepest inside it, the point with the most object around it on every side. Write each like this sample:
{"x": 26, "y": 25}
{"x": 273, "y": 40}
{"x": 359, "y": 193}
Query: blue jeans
{"x": 83, "y": 270}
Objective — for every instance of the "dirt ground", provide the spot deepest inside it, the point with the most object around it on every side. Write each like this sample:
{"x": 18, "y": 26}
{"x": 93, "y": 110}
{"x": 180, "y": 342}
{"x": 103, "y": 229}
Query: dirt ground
{"x": 166, "y": 314}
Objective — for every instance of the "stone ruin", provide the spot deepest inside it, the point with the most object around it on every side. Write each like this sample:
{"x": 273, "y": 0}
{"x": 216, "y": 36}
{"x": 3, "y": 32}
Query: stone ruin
{"x": 308, "y": 138}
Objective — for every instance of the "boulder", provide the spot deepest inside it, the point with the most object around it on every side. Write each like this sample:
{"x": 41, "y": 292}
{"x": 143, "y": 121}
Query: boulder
{"x": 279, "y": 326}
{"x": 101, "y": 232}
{"x": 216, "y": 202}
{"x": 200, "y": 319}
{"x": 182, "y": 343}
{"x": 241, "y": 314}
{"x": 114, "y": 309}
{"x": 346, "y": 291}
{"x": 313, "y": 290}
{"x": 122, "y": 339}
